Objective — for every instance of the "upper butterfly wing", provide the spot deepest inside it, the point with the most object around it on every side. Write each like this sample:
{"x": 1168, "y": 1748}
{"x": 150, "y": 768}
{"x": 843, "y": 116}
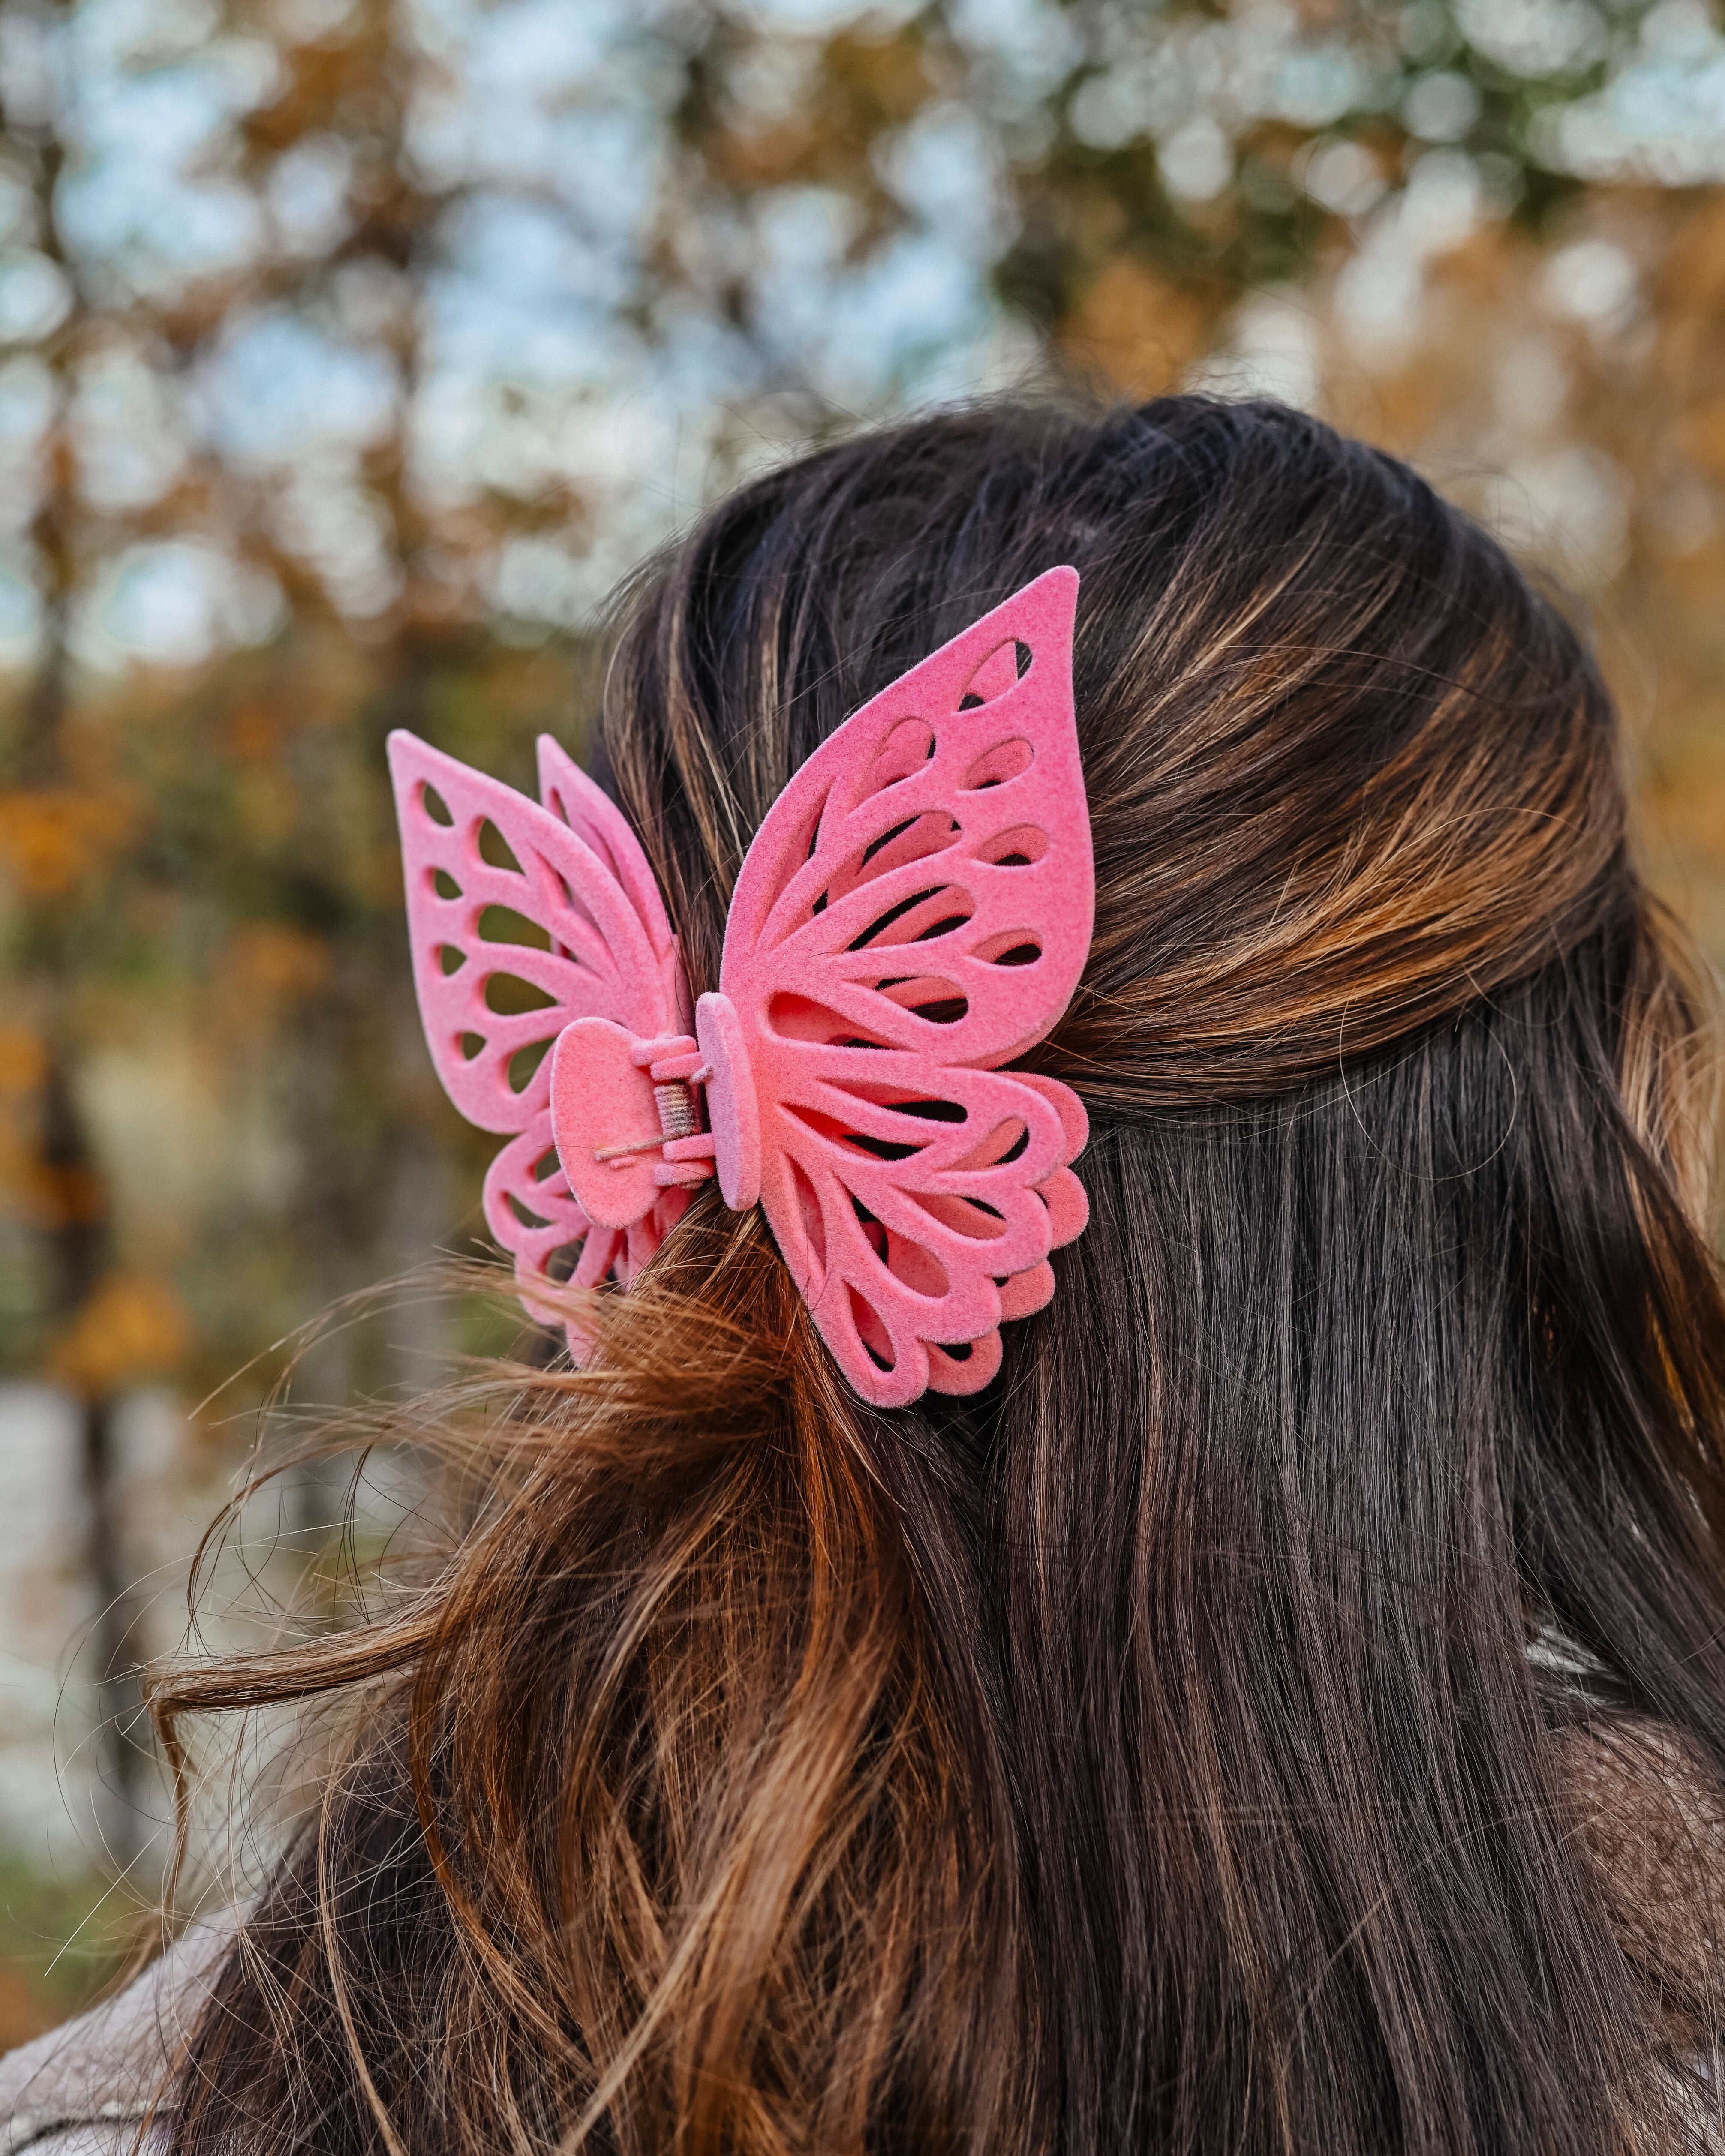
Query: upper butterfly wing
{"x": 522, "y": 918}
{"x": 571, "y": 796}
{"x": 915, "y": 912}
{"x": 926, "y": 878}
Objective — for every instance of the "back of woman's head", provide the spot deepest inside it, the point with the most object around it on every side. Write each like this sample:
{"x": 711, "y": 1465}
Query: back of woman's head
{"x": 1280, "y": 1711}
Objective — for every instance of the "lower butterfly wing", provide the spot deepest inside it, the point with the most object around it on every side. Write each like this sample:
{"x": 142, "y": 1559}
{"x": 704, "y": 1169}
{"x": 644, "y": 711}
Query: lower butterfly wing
{"x": 915, "y": 1225}
{"x": 531, "y": 1214}
{"x": 520, "y": 926}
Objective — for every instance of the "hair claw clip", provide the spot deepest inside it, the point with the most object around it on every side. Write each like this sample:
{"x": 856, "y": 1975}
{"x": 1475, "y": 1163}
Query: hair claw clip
{"x": 914, "y": 912}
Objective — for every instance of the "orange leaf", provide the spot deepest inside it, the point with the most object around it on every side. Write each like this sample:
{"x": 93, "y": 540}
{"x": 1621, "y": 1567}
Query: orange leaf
{"x": 132, "y": 1328}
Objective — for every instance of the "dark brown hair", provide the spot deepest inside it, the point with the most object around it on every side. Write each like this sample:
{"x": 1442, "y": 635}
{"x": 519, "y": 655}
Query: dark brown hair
{"x": 1283, "y": 1711}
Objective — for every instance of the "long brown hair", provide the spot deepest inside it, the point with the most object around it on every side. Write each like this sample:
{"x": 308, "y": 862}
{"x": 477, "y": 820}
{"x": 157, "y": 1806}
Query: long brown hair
{"x": 1283, "y": 1711}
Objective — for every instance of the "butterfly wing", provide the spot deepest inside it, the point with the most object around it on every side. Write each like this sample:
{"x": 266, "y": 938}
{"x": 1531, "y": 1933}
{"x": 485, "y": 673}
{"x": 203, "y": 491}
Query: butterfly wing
{"x": 915, "y": 912}
{"x": 569, "y": 794}
{"x": 522, "y": 918}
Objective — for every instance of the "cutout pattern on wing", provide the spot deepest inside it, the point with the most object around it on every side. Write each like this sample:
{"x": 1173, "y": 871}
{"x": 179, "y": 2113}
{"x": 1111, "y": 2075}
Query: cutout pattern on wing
{"x": 916, "y": 911}
{"x": 523, "y": 918}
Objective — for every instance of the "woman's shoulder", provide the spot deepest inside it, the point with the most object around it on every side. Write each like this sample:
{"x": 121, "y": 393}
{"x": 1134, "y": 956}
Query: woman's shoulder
{"x": 86, "y": 2088}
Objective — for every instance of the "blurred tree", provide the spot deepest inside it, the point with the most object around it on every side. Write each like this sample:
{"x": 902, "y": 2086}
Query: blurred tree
{"x": 59, "y": 836}
{"x": 350, "y": 349}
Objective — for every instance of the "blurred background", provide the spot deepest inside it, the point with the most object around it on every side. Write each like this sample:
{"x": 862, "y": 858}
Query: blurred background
{"x": 350, "y": 349}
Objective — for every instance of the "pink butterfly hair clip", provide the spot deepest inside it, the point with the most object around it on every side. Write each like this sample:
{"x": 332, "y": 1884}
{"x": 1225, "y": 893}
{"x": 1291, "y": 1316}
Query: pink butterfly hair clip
{"x": 914, "y": 913}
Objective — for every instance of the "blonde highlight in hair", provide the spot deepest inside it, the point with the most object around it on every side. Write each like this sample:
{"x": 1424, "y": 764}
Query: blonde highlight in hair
{"x": 1166, "y": 1748}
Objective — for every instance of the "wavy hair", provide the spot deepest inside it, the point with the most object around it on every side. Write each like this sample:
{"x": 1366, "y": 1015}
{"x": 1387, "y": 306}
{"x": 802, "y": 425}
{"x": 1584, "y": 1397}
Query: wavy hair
{"x": 1285, "y": 1711}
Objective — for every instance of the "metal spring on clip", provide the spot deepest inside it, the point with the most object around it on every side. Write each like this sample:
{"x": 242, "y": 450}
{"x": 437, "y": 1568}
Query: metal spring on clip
{"x": 676, "y": 1109}
{"x": 678, "y": 1118}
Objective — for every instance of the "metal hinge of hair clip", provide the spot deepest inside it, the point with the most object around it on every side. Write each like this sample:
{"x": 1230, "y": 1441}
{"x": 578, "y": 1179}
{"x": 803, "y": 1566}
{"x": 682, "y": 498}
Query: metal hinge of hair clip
{"x": 673, "y": 1095}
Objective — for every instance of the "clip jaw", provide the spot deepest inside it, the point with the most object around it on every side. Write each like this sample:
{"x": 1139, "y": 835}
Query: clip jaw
{"x": 626, "y": 1117}
{"x": 627, "y": 1113}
